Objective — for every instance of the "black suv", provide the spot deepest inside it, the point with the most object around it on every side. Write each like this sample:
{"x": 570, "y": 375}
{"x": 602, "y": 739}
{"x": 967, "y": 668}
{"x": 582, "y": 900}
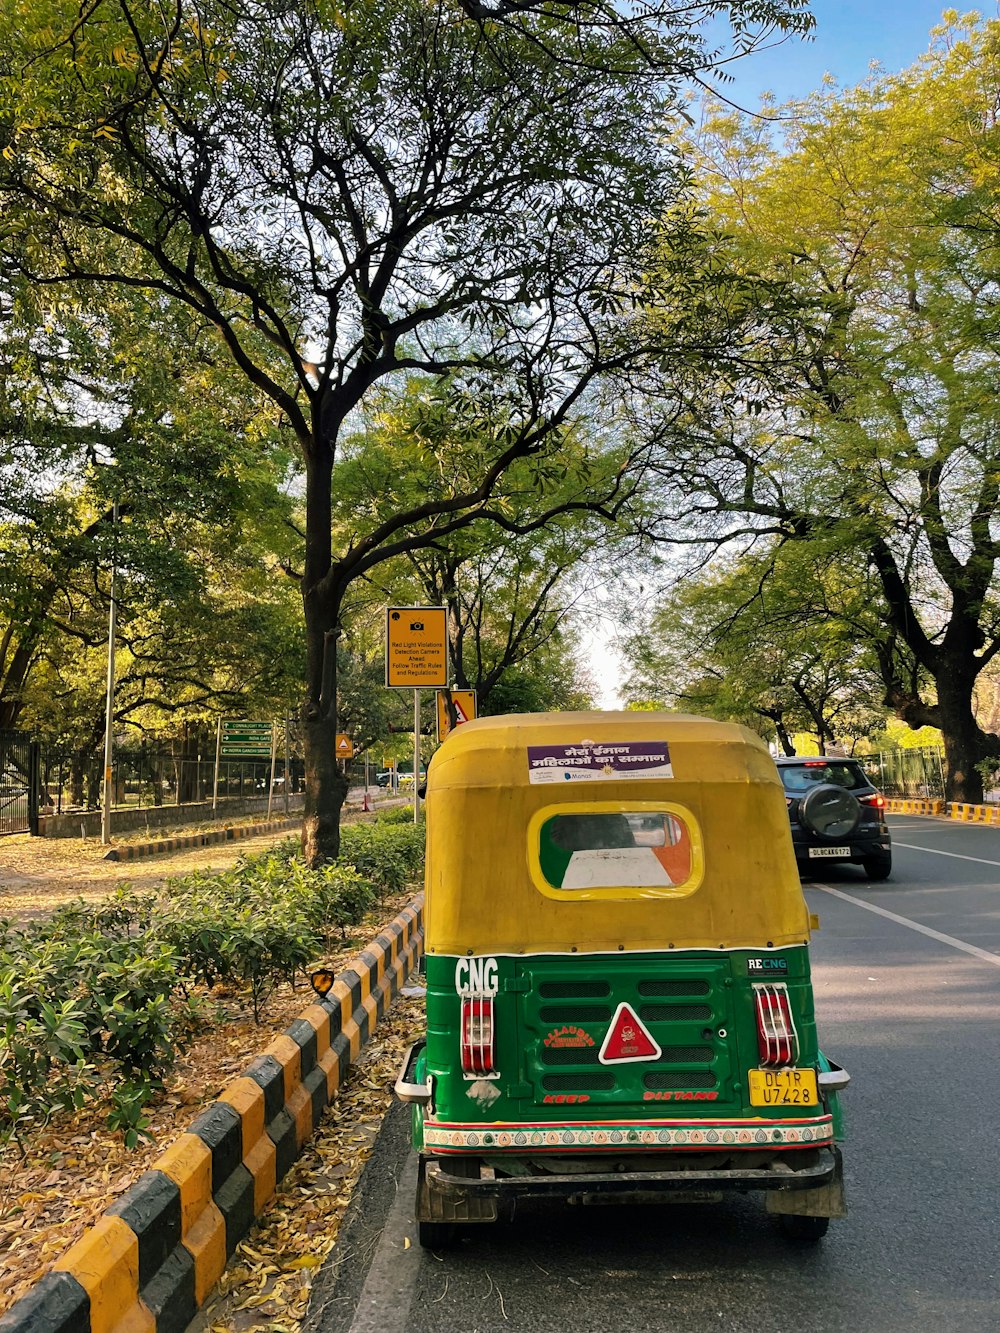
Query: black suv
{"x": 836, "y": 815}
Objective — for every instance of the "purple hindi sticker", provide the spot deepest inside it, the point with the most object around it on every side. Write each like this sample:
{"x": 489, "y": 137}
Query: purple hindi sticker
{"x": 605, "y": 761}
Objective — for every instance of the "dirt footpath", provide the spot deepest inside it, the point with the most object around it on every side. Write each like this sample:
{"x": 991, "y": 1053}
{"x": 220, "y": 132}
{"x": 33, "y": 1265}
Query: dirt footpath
{"x": 37, "y": 874}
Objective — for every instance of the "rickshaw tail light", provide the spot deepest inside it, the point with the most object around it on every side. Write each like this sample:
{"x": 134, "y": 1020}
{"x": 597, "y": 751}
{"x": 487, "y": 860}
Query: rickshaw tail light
{"x": 478, "y": 1049}
{"x": 777, "y": 1040}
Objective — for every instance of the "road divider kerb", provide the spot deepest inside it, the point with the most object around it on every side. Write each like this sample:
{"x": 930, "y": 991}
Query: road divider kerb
{"x": 960, "y": 810}
{"x": 209, "y": 837}
{"x": 151, "y": 1261}
{"x": 133, "y": 850}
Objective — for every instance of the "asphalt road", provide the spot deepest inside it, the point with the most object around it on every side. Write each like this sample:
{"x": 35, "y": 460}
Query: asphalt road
{"x": 907, "y": 981}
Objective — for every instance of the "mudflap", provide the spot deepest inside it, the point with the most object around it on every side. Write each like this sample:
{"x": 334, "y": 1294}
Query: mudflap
{"x": 822, "y": 1201}
{"x": 454, "y": 1206}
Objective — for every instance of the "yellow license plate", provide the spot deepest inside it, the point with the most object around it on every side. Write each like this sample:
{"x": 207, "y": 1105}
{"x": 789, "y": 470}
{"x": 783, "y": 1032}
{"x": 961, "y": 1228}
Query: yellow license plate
{"x": 783, "y": 1087}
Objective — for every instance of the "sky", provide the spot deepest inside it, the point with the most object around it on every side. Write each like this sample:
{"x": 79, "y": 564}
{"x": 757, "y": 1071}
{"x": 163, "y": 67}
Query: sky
{"x": 849, "y": 35}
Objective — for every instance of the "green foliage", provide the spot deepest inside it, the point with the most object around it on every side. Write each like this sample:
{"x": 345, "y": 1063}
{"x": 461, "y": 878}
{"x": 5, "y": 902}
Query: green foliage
{"x": 898, "y": 736}
{"x": 96, "y": 1002}
{"x": 127, "y": 1114}
{"x": 479, "y": 205}
{"x": 43, "y": 1068}
{"x": 848, "y": 403}
{"x": 770, "y": 641}
{"x": 386, "y": 854}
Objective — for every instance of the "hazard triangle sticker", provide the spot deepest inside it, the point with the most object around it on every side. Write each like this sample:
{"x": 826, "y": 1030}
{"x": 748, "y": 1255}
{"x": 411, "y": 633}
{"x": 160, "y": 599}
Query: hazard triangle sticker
{"x": 628, "y": 1039}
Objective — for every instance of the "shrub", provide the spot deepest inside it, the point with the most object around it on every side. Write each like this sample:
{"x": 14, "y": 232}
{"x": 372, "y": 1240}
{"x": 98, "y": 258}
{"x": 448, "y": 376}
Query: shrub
{"x": 390, "y": 855}
{"x": 43, "y": 1068}
{"x": 95, "y": 1002}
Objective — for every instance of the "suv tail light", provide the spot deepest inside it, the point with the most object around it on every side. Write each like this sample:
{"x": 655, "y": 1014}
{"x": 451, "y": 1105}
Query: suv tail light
{"x": 478, "y": 1044}
{"x": 876, "y": 799}
{"x": 777, "y": 1040}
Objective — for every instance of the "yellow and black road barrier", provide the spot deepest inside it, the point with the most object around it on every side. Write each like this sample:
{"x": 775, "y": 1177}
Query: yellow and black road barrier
{"x": 155, "y": 1255}
{"x": 961, "y": 810}
{"x": 131, "y": 851}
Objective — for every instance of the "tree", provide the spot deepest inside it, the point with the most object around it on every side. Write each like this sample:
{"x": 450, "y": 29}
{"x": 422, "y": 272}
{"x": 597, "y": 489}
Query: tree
{"x": 857, "y": 408}
{"x": 509, "y": 583}
{"x": 775, "y": 640}
{"x": 117, "y": 401}
{"x": 349, "y": 194}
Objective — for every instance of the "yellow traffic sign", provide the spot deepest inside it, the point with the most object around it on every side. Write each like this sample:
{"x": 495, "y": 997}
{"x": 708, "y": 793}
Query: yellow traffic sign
{"x": 416, "y": 647}
{"x": 464, "y": 702}
{"x": 344, "y": 747}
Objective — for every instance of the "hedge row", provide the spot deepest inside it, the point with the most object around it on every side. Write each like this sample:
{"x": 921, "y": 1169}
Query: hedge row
{"x": 96, "y": 1002}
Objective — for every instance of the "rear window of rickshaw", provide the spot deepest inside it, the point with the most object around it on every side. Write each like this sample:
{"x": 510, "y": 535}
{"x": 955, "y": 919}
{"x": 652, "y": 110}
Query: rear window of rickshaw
{"x": 642, "y": 850}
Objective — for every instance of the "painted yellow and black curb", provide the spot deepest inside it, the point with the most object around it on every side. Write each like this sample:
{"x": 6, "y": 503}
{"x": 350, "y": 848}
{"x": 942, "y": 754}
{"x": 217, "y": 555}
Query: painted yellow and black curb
{"x": 155, "y": 1255}
{"x": 961, "y": 810}
{"x": 974, "y": 814}
{"x": 897, "y": 805}
{"x": 133, "y": 850}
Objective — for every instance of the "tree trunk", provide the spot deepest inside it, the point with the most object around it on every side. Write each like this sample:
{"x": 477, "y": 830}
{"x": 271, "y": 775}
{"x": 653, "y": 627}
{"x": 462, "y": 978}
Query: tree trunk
{"x": 965, "y": 744}
{"x": 322, "y": 592}
{"x": 776, "y": 715}
{"x": 77, "y": 768}
{"x": 325, "y": 790}
{"x": 187, "y": 785}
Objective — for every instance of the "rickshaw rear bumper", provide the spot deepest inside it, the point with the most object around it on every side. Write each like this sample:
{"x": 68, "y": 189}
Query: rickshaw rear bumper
{"x": 469, "y": 1189}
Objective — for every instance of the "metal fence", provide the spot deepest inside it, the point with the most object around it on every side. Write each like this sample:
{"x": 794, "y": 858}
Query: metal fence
{"x": 913, "y": 774}
{"x": 20, "y": 793}
{"x": 143, "y": 778}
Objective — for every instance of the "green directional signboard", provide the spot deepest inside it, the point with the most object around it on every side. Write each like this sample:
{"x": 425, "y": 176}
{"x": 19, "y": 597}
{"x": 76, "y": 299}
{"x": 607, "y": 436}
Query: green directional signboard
{"x": 245, "y": 740}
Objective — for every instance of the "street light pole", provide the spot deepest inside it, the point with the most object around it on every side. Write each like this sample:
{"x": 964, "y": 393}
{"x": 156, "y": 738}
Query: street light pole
{"x": 109, "y": 712}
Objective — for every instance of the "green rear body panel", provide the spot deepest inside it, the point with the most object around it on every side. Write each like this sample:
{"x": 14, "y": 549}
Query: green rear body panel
{"x": 553, "y": 1012}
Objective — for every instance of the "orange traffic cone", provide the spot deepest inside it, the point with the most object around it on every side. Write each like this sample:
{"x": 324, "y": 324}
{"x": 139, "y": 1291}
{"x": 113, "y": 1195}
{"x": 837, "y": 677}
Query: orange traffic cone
{"x": 366, "y": 806}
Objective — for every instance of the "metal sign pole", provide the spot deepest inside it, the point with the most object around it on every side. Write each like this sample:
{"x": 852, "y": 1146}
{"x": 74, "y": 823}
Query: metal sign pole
{"x": 218, "y": 751}
{"x": 270, "y": 778}
{"x": 109, "y": 715}
{"x": 416, "y": 755}
{"x": 288, "y": 781}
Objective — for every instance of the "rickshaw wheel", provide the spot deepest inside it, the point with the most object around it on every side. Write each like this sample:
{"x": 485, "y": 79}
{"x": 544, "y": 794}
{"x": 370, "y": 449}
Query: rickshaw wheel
{"x": 437, "y": 1235}
{"x": 796, "y": 1227}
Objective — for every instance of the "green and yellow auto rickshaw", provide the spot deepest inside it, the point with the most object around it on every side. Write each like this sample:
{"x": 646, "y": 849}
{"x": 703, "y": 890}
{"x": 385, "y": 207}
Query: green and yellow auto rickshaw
{"x": 618, "y": 987}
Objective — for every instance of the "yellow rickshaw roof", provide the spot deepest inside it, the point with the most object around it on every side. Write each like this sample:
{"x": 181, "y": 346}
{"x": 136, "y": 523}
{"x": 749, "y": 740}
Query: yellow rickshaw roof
{"x": 485, "y": 802}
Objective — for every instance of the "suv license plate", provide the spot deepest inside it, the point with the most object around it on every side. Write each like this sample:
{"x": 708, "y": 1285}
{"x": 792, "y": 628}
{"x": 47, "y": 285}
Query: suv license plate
{"x": 829, "y": 851}
{"x": 783, "y": 1087}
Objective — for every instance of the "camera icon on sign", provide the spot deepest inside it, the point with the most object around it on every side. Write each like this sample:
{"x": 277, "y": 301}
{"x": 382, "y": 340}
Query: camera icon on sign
{"x": 416, "y": 624}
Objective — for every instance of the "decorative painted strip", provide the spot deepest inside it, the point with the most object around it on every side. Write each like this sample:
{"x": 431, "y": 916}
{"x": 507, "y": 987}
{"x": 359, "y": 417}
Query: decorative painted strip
{"x": 616, "y": 1135}
{"x": 153, "y": 1258}
{"x": 570, "y": 952}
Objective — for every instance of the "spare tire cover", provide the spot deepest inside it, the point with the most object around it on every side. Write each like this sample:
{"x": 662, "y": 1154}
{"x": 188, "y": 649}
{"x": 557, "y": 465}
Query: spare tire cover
{"x": 830, "y": 811}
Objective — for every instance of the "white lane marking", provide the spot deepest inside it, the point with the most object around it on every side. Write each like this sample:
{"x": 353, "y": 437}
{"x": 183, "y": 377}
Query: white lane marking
{"x": 938, "y": 824}
{"x": 933, "y": 851}
{"x": 913, "y": 925}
